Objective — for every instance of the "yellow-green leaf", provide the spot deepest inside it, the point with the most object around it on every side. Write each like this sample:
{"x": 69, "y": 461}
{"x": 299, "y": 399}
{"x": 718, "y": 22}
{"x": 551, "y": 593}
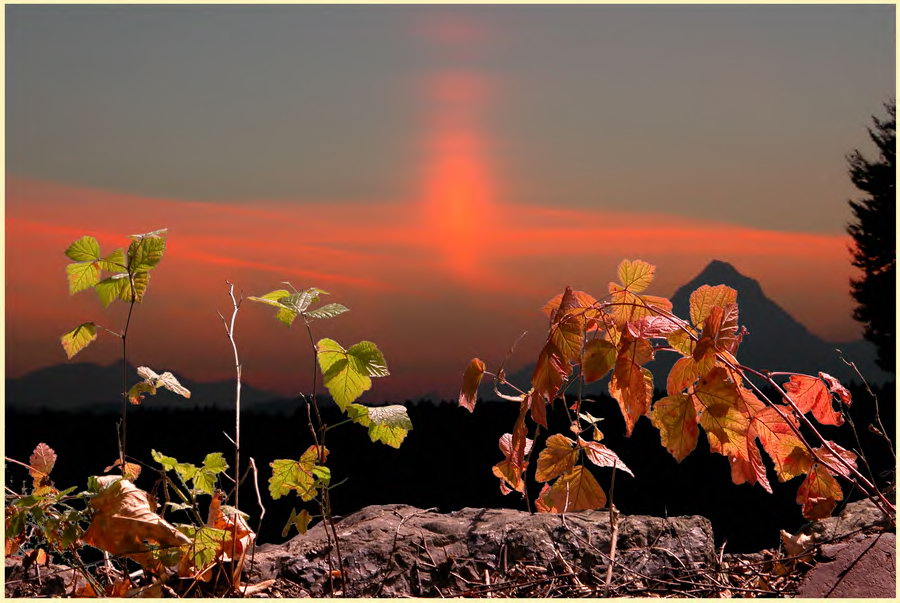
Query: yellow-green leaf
{"x": 85, "y": 249}
{"x": 705, "y": 298}
{"x": 82, "y": 275}
{"x": 305, "y": 476}
{"x": 299, "y": 520}
{"x": 78, "y": 338}
{"x": 635, "y": 275}
{"x": 387, "y": 424}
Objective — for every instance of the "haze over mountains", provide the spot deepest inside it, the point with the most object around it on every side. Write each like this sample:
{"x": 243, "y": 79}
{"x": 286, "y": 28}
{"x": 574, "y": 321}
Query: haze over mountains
{"x": 776, "y": 341}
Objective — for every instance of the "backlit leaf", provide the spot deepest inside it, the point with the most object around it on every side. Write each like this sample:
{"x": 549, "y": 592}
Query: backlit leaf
{"x": 549, "y": 373}
{"x": 631, "y": 385}
{"x": 705, "y": 298}
{"x": 514, "y": 447}
{"x": 471, "y": 381}
{"x": 835, "y": 387}
{"x": 675, "y": 418}
{"x": 85, "y": 249}
{"x": 299, "y": 520}
{"x": 367, "y": 359}
{"x": 42, "y": 461}
{"x": 598, "y": 359}
{"x": 810, "y": 394}
{"x": 567, "y": 330}
{"x": 603, "y": 456}
{"x": 327, "y": 311}
{"x": 387, "y": 424}
{"x": 166, "y": 380}
{"x": 346, "y": 373}
{"x": 82, "y": 275}
{"x": 581, "y": 300}
{"x": 114, "y": 262}
{"x": 78, "y": 338}
{"x": 787, "y": 451}
{"x": 146, "y": 250}
{"x": 557, "y": 458}
{"x": 719, "y": 405}
{"x": 832, "y": 461}
{"x": 112, "y": 288}
{"x": 137, "y": 391}
{"x": 635, "y": 275}
{"x": 577, "y": 490}
{"x": 305, "y": 476}
{"x": 818, "y": 493}
{"x": 650, "y": 327}
{"x": 131, "y": 471}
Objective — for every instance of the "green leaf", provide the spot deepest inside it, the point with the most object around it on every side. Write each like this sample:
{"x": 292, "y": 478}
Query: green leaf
{"x": 78, "y": 338}
{"x": 327, "y": 311}
{"x": 146, "y": 250}
{"x": 205, "y": 543}
{"x": 137, "y": 391}
{"x": 85, "y": 249}
{"x": 273, "y": 298}
{"x": 286, "y": 316}
{"x": 82, "y": 275}
{"x": 111, "y": 288}
{"x": 305, "y": 476}
{"x": 215, "y": 462}
{"x": 185, "y": 471}
{"x": 298, "y": 520}
{"x": 368, "y": 360}
{"x": 204, "y": 481}
{"x": 387, "y": 424}
{"x": 114, "y": 262}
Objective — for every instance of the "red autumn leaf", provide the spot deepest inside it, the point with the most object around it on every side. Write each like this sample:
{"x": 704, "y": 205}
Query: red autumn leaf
{"x": 787, "y": 451}
{"x": 233, "y": 522}
{"x": 576, "y": 490}
{"x": 719, "y": 332}
{"x": 471, "y": 380}
{"x": 590, "y": 315}
{"x": 810, "y": 394}
{"x": 686, "y": 371}
{"x": 557, "y": 458}
{"x": 631, "y": 385}
{"x": 598, "y": 359}
{"x": 549, "y": 373}
{"x": 131, "y": 472}
{"x": 818, "y": 493}
{"x": 514, "y": 449}
{"x": 42, "y": 461}
{"x": 602, "y": 456}
{"x": 835, "y": 387}
{"x": 676, "y": 420}
{"x": 832, "y": 461}
{"x": 649, "y": 327}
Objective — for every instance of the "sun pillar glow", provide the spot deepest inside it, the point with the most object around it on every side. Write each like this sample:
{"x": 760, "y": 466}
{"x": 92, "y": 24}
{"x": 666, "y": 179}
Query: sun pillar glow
{"x": 459, "y": 192}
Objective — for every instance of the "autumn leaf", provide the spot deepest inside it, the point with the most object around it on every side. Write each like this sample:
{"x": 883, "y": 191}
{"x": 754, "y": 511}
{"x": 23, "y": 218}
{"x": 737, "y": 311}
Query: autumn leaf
{"x": 515, "y": 448}
{"x": 557, "y": 458}
{"x": 831, "y": 460}
{"x": 471, "y": 380}
{"x": 576, "y": 490}
{"x": 685, "y": 372}
{"x": 82, "y": 275}
{"x": 705, "y": 298}
{"x": 549, "y": 373}
{"x": 631, "y": 385}
{"x": 598, "y": 359}
{"x": 719, "y": 404}
{"x": 810, "y": 394}
{"x": 835, "y": 387}
{"x": 676, "y": 419}
{"x": 167, "y": 380}
{"x": 635, "y": 275}
{"x": 131, "y": 472}
{"x": 78, "y": 338}
{"x": 603, "y": 456}
{"x": 41, "y": 461}
{"x": 778, "y": 439}
{"x": 567, "y": 330}
{"x": 125, "y": 522}
{"x": 819, "y": 493}
{"x": 581, "y": 300}
{"x": 232, "y": 521}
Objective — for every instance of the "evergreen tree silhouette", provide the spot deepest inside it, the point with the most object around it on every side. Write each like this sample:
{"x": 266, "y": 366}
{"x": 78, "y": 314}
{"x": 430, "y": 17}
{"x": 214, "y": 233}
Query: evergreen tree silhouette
{"x": 874, "y": 233}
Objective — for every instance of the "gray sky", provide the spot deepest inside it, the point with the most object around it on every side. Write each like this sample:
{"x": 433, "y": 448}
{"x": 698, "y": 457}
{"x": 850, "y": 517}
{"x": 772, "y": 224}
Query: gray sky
{"x": 739, "y": 114}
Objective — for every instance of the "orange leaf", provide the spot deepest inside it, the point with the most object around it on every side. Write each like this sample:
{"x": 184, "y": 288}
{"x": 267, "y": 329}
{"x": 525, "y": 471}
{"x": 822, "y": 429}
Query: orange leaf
{"x": 581, "y": 300}
{"x": 810, "y": 394}
{"x": 686, "y": 371}
{"x": 837, "y": 389}
{"x": 515, "y": 447}
{"x": 471, "y": 380}
{"x": 124, "y": 521}
{"x": 786, "y": 450}
{"x": 705, "y": 298}
{"x": 676, "y": 420}
{"x": 650, "y": 327}
{"x": 576, "y": 490}
{"x": 42, "y": 461}
{"x": 602, "y": 456}
{"x": 131, "y": 472}
{"x": 549, "y": 373}
{"x": 220, "y": 519}
{"x": 631, "y": 385}
{"x": 818, "y": 493}
{"x": 598, "y": 359}
{"x": 833, "y": 463}
{"x": 635, "y": 275}
{"x": 567, "y": 330}
{"x": 557, "y": 458}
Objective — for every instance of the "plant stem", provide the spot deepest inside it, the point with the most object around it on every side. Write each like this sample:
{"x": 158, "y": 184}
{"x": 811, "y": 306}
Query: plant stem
{"x": 229, "y": 332}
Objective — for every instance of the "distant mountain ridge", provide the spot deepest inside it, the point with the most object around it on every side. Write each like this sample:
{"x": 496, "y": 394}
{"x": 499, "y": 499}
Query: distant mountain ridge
{"x": 85, "y": 386}
{"x": 775, "y": 341}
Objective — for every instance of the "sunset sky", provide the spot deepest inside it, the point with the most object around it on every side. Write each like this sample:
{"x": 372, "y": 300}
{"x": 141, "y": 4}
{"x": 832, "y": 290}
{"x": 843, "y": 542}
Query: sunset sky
{"x": 442, "y": 171}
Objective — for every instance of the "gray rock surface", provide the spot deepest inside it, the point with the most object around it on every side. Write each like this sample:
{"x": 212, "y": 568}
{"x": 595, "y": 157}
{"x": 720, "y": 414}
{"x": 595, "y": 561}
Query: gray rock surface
{"x": 399, "y": 550}
{"x": 862, "y": 569}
